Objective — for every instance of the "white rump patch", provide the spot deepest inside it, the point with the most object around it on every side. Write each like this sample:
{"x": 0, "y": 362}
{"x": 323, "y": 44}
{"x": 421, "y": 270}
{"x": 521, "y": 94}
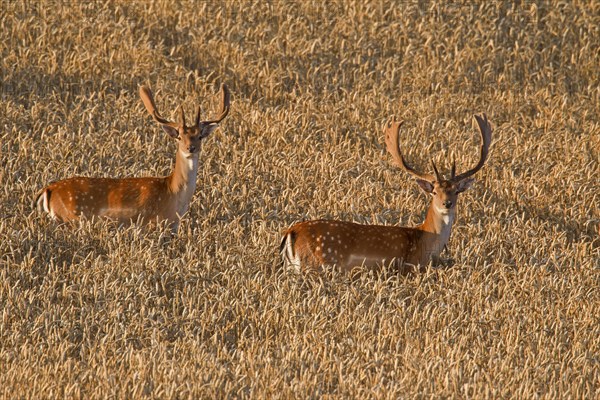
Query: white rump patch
{"x": 291, "y": 260}
{"x": 43, "y": 204}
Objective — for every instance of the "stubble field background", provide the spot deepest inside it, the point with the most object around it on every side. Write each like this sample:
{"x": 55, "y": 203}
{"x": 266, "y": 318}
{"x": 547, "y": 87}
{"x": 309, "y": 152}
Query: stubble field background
{"x": 93, "y": 311}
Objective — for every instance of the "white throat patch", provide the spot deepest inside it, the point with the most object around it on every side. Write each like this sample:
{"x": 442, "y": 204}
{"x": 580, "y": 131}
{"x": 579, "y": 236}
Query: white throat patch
{"x": 190, "y": 159}
{"x": 446, "y": 219}
{"x": 445, "y": 214}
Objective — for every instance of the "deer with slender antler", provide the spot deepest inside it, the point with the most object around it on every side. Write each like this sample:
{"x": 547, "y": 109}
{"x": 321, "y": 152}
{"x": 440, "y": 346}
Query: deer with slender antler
{"x": 150, "y": 199}
{"x": 311, "y": 244}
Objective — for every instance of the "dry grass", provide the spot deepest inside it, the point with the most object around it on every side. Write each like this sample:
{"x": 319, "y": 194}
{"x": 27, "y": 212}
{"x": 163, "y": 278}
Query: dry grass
{"x": 93, "y": 311}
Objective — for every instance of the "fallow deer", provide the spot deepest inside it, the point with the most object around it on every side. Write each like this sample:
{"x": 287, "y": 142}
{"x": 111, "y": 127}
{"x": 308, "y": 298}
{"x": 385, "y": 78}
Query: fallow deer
{"x": 148, "y": 199}
{"x": 311, "y": 244}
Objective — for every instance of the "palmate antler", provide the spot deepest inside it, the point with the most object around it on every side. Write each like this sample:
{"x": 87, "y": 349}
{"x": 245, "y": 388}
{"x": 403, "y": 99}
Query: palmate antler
{"x": 148, "y": 100}
{"x": 486, "y": 138}
{"x": 392, "y": 133}
{"x": 225, "y": 100}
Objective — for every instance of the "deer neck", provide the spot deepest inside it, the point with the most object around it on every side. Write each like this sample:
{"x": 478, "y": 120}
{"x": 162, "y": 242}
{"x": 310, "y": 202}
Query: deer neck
{"x": 182, "y": 182}
{"x": 439, "y": 222}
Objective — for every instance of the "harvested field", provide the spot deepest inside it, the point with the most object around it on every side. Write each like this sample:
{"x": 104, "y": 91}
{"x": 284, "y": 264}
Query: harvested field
{"x": 90, "y": 310}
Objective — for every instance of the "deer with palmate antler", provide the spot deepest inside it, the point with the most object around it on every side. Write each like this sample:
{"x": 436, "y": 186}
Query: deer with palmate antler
{"x": 311, "y": 244}
{"x": 150, "y": 199}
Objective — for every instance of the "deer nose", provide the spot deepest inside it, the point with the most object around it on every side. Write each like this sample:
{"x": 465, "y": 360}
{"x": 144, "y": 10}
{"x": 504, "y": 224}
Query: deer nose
{"x": 448, "y": 203}
{"x": 191, "y": 148}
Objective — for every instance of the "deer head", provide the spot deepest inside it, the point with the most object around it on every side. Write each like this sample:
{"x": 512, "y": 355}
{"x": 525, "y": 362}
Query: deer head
{"x": 189, "y": 137}
{"x": 444, "y": 192}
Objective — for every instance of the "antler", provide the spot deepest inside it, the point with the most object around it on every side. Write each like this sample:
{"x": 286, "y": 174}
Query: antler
{"x": 392, "y": 133}
{"x": 225, "y": 100}
{"x": 181, "y": 116}
{"x": 198, "y": 117}
{"x": 438, "y": 176}
{"x": 148, "y": 101}
{"x": 486, "y": 137}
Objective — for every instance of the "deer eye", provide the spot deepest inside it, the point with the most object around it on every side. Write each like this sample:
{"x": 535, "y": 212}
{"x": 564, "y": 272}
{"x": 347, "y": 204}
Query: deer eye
{"x": 434, "y": 193}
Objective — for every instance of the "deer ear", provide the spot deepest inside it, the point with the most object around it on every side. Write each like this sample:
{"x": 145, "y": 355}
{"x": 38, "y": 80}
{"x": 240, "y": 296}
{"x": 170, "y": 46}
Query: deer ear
{"x": 173, "y": 132}
{"x": 425, "y": 185}
{"x": 464, "y": 185}
{"x": 207, "y": 129}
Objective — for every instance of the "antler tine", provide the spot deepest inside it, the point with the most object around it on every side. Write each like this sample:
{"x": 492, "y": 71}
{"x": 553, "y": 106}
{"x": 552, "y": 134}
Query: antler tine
{"x": 148, "y": 100}
{"x": 392, "y": 133}
{"x": 225, "y": 100}
{"x": 198, "y": 117}
{"x": 486, "y": 137}
{"x": 182, "y": 116}
{"x": 453, "y": 172}
{"x": 437, "y": 173}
